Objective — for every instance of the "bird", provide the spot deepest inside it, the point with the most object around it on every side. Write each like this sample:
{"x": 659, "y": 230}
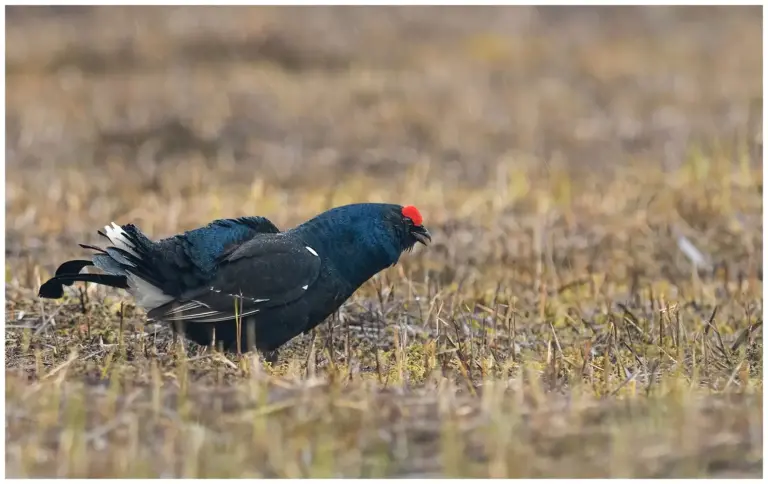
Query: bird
{"x": 244, "y": 284}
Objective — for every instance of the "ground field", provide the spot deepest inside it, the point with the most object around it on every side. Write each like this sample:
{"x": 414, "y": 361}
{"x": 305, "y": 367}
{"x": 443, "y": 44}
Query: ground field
{"x": 591, "y": 305}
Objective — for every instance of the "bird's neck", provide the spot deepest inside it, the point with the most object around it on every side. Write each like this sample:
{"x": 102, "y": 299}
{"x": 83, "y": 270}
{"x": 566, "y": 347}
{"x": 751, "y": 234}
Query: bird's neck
{"x": 356, "y": 253}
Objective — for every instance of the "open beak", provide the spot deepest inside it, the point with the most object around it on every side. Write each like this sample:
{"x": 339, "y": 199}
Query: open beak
{"x": 421, "y": 234}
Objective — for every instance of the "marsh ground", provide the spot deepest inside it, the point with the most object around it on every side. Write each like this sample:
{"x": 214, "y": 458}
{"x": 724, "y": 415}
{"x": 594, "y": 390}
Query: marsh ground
{"x": 572, "y": 163}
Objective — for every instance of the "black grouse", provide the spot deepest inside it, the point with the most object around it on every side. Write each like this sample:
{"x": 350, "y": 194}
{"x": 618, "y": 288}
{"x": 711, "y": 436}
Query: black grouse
{"x": 276, "y": 284}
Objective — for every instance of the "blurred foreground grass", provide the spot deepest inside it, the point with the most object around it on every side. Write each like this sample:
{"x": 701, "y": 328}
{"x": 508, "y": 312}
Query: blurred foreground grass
{"x": 591, "y": 306}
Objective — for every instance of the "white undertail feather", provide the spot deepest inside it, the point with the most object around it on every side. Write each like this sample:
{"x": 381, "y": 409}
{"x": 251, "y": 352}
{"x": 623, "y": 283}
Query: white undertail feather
{"x": 147, "y": 295}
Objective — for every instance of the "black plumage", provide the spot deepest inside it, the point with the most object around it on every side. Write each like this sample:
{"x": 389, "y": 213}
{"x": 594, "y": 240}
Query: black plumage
{"x": 276, "y": 284}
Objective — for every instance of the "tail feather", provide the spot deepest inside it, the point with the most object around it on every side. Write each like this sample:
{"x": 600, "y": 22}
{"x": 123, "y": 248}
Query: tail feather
{"x": 131, "y": 254}
{"x": 54, "y": 287}
{"x": 108, "y": 264}
{"x": 73, "y": 267}
{"x": 65, "y": 275}
{"x": 93, "y": 247}
{"x": 127, "y": 264}
{"x": 122, "y": 257}
{"x": 117, "y": 236}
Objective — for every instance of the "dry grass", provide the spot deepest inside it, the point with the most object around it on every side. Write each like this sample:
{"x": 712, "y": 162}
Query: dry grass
{"x": 566, "y": 161}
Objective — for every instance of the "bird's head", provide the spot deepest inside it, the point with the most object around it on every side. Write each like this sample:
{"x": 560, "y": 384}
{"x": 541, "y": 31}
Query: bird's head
{"x": 367, "y": 237}
{"x": 407, "y": 226}
{"x": 385, "y": 231}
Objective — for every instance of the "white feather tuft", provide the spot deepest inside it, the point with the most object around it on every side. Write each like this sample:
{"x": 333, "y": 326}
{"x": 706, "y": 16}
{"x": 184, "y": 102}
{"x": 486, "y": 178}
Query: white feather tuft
{"x": 117, "y": 236}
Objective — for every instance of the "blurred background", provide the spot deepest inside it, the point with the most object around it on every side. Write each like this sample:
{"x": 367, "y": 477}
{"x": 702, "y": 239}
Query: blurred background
{"x": 169, "y": 116}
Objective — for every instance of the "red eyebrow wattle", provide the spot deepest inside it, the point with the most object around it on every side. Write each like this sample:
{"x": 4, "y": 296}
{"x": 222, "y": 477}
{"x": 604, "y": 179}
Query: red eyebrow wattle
{"x": 413, "y": 213}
